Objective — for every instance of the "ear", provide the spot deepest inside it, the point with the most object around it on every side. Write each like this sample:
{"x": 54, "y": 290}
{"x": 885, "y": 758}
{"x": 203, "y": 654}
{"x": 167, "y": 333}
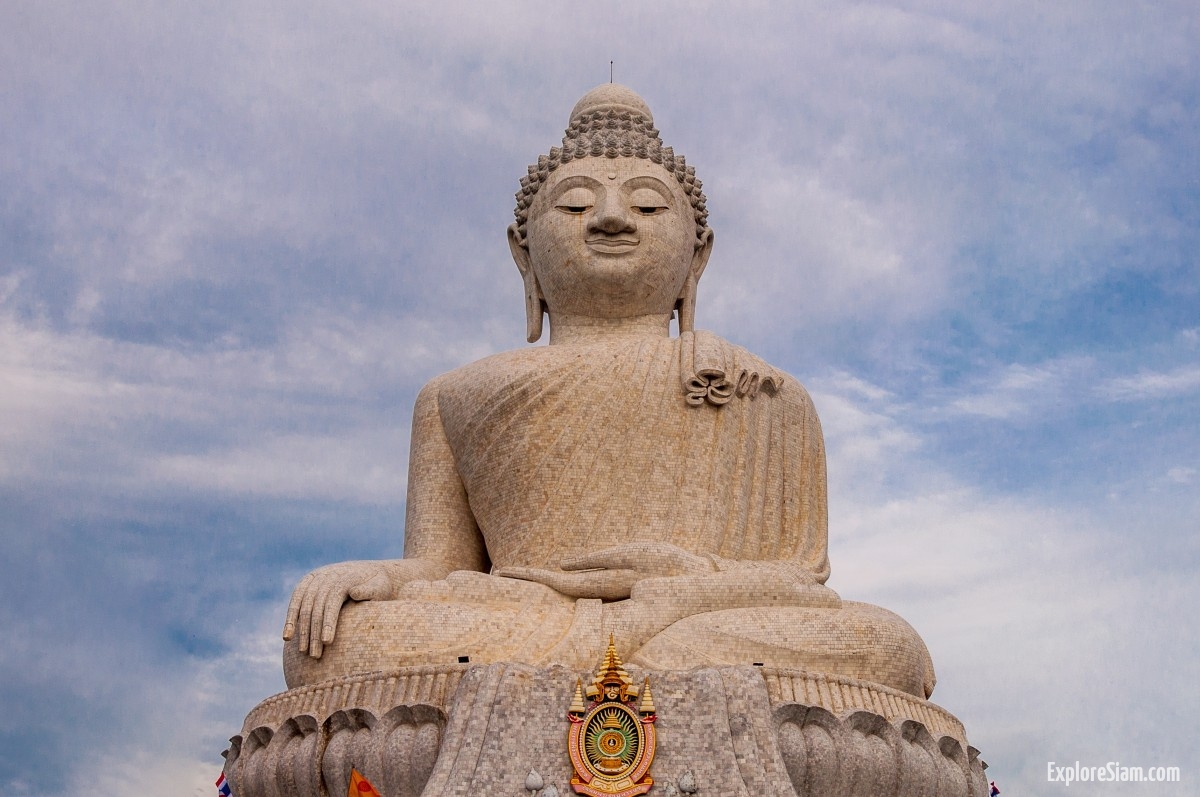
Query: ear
{"x": 685, "y": 306}
{"x": 535, "y": 305}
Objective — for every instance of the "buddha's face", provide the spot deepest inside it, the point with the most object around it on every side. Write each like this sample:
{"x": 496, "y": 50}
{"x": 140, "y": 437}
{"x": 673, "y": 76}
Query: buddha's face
{"x": 612, "y": 238}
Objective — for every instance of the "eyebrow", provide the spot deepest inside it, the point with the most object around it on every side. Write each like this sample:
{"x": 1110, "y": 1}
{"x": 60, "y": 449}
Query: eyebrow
{"x": 647, "y": 181}
{"x": 574, "y": 181}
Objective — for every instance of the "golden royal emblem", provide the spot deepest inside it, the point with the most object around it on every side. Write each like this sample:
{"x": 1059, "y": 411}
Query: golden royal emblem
{"x": 611, "y": 742}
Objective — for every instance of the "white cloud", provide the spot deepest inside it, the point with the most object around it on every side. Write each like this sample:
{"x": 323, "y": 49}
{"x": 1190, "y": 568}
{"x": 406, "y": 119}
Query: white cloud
{"x": 1149, "y": 385}
{"x": 311, "y": 417}
{"x": 1016, "y": 390}
{"x": 1028, "y": 604}
{"x": 182, "y": 723}
{"x": 863, "y": 440}
{"x": 369, "y": 466}
{"x": 1182, "y": 475}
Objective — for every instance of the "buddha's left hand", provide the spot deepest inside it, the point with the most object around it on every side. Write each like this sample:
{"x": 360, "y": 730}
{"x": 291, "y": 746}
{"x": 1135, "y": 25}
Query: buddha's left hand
{"x": 610, "y": 574}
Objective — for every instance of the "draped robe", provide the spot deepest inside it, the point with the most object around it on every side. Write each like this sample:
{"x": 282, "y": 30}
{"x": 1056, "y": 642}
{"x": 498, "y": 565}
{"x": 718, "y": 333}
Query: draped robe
{"x": 564, "y": 450}
{"x": 528, "y": 457}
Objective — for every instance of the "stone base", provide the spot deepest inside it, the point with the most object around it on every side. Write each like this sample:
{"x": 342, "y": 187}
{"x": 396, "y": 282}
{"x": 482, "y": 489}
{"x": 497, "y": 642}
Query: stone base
{"x": 476, "y": 730}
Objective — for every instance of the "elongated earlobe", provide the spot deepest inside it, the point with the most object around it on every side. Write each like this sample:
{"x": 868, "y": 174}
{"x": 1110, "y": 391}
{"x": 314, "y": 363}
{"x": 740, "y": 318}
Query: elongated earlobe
{"x": 535, "y": 305}
{"x": 535, "y": 310}
{"x": 685, "y": 306}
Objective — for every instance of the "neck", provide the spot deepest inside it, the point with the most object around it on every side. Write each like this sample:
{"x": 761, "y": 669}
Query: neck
{"x": 583, "y": 329}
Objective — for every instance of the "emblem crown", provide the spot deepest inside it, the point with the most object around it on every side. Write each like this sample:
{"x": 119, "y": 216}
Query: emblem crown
{"x": 610, "y": 742}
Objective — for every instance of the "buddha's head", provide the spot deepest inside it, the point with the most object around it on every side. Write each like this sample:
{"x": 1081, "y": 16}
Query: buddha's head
{"x": 612, "y": 225}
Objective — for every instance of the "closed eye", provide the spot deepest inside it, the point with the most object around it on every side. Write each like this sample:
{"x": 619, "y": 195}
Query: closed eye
{"x": 574, "y": 209}
{"x": 650, "y": 210}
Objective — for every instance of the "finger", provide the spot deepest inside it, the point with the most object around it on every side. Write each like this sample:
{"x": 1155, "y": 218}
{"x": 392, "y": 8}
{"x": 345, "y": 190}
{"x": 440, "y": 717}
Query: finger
{"x": 330, "y": 604}
{"x": 522, "y": 573}
{"x": 293, "y": 610}
{"x": 316, "y": 623}
{"x": 557, "y": 581}
{"x": 622, "y": 557}
{"x": 603, "y": 584}
{"x": 647, "y": 558}
{"x": 304, "y": 619}
{"x": 551, "y": 578}
{"x": 609, "y": 585}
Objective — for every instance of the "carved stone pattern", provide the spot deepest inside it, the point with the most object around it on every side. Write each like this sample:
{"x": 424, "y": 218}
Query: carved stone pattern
{"x": 862, "y": 753}
{"x": 396, "y": 752}
{"x": 432, "y": 685}
{"x": 474, "y": 729}
{"x": 840, "y": 695}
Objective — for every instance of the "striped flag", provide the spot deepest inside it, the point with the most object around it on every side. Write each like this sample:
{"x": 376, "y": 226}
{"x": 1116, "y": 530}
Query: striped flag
{"x": 223, "y": 786}
{"x": 360, "y": 786}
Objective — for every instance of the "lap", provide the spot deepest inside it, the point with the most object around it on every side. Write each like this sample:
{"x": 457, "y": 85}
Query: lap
{"x": 857, "y": 641}
{"x": 490, "y": 619}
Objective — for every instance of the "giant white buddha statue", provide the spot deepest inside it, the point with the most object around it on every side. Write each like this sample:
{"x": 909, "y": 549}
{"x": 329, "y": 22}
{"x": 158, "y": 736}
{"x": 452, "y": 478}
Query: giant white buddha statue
{"x": 667, "y": 490}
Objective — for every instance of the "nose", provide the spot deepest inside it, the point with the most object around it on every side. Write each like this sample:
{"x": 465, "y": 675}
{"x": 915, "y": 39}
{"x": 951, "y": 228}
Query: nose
{"x": 611, "y": 216}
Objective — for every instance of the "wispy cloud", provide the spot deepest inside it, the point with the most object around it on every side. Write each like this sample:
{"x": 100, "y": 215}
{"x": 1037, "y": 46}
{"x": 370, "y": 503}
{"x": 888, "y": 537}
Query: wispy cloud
{"x": 1018, "y": 389}
{"x": 1149, "y": 385}
{"x": 1182, "y": 475}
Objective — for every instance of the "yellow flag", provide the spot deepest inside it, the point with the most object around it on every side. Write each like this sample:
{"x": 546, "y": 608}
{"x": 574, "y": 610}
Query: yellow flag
{"x": 360, "y": 786}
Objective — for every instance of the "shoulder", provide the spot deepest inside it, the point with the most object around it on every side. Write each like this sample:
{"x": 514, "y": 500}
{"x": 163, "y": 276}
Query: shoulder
{"x": 488, "y": 374}
{"x": 740, "y": 363}
{"x": 494, "y": 366}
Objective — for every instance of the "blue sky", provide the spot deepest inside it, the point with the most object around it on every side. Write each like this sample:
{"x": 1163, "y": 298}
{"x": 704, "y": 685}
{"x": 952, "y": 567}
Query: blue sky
{"x": 236, "y": 239}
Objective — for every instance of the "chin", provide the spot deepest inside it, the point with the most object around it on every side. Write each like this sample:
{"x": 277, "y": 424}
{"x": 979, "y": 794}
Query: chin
{"x": 640, "y": 288}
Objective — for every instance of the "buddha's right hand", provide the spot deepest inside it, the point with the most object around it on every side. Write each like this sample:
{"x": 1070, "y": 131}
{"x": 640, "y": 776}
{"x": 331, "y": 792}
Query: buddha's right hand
{"x": 318, "y": 598}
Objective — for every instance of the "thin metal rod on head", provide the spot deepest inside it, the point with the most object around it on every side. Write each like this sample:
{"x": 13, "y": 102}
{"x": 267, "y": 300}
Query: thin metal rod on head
{"x": 610, "y": 71}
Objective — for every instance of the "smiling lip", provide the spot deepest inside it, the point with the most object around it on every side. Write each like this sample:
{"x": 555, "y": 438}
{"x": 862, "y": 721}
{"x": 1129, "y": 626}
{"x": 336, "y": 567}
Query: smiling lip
{"x": 611, "y": 244}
